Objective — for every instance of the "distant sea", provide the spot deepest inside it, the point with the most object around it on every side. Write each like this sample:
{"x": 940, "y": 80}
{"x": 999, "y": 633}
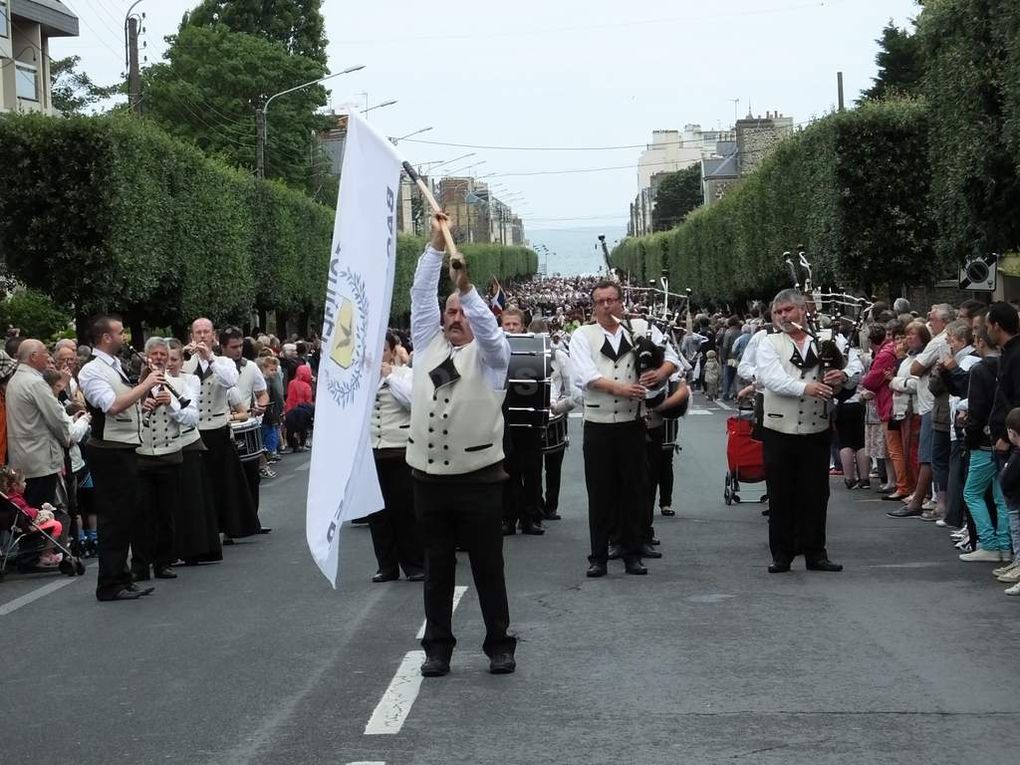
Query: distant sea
{"x": 572, "y": 251}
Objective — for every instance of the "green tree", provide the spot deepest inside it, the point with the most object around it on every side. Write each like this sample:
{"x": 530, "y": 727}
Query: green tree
{"x": 679, "y": 193}
{"x": 296, "y": 24}
{"x": 212, "y": 84}
{"x": 34, "y": 314}
{"x": 73, "y": 91}
{"x": 900, "y": 65}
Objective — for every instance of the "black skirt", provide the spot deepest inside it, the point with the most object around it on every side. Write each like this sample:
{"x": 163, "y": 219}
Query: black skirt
{"x": 196, "y": 525}
{"x": 231, "y": 496}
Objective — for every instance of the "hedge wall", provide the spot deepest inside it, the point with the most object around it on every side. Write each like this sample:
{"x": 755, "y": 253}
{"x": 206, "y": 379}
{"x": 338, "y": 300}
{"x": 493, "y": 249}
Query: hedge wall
{"x": 110, "y": 213}
{"x": 851, "y": 188}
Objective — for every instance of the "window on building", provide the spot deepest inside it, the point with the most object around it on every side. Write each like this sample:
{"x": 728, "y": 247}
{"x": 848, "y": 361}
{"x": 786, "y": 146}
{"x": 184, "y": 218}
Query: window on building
{"x": 27, "y": 78}
{"x": 5, "y": 25}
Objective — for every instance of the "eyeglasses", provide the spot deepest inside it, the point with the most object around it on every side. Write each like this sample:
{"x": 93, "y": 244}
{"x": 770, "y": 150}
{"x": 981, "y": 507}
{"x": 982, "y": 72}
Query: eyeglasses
{"x": 607, "y": 301}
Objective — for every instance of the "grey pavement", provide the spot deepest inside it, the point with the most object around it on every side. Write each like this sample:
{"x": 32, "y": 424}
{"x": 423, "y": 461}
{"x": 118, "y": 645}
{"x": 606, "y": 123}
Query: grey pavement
{"x": 907, "y": 656}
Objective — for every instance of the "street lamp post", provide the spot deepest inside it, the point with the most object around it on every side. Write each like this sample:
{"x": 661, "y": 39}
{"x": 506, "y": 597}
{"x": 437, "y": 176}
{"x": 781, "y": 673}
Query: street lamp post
{"x": 378, "y": 106}
{"x": 397, "y": 140}
{"x": 262, "y": 130}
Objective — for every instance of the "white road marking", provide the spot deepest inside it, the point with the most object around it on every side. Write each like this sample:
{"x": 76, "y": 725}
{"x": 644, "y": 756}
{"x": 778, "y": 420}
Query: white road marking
{"x": 458, "y": 593}
{"x": 700, "y": 411}
{"x": 367, "y": 762}
{"x": 35, "y": 594}
{"x": 304, "y": 466}
{"x": 721, "y": 405}
{"x": 396, "y": 703}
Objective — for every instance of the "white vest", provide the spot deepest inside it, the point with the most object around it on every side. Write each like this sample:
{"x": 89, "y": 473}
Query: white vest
{"x": 605, "y": 407}
{"x": 213, "y": 409}
{"x": 187, "y": 385}
{"x": 787, "y": 414}
{"x": 120, "y": 429}
{"x": 391, "y": 422}
{"x": 457, "y": 428}
{"x": 162, "y": 435}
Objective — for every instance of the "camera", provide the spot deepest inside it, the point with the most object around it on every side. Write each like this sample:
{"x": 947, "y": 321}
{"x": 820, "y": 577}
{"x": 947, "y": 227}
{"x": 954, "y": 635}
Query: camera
{"x": 979, "y": 273}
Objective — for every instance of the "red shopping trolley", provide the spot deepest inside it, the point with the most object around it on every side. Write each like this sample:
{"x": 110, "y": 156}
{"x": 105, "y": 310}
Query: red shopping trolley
{"x": 743, "y": 456}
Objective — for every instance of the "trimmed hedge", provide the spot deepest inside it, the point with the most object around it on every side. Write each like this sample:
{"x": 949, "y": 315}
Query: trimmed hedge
{"x": 112, "y": 214}
{"x": 851, "y": 188}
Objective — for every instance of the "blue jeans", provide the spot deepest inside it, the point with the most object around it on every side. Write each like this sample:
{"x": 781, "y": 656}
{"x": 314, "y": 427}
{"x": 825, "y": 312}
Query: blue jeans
{"x": 729, "y": 382}
{"x": 983, "y": 471}
{"x": 271, "y": 438}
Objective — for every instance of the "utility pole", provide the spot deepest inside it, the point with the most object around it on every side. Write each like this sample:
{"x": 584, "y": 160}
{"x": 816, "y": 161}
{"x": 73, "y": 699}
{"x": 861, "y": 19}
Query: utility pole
{"x": 839, "y": 89}
{"x": 260, "y": 143}
{"x": 134, "y": 75}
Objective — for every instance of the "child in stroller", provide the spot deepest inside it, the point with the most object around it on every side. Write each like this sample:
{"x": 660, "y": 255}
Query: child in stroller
{"x": 12, "y": 487}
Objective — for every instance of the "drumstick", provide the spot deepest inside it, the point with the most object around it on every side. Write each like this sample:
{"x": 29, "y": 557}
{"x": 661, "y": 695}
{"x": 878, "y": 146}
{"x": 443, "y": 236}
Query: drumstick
{"x": 456, "y": 259}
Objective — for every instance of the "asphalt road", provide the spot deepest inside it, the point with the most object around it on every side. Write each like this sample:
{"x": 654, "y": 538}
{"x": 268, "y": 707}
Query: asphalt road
{"x": 907, "y": 656}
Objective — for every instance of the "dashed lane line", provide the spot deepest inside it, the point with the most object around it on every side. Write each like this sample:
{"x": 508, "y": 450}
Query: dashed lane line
{"x": 34, "y": 595}
{"x": 458, "y": 593}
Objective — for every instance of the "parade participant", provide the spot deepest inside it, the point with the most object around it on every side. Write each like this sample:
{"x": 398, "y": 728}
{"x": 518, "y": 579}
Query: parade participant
{"x": 455, "y": 448}
{"x": 233, "y": 500}
{"x": 159, "y": 468}
{"x": 522, "y": 493}
{"x": 116, "y": 432}
{"x": 796, "y": 436}
{"x": 615, "y": 468}
{"x": 196, "y": 525}
{"x": 253, "y": 393}
{"x": 395, "y": 535}
{"x": 561, "y": 402}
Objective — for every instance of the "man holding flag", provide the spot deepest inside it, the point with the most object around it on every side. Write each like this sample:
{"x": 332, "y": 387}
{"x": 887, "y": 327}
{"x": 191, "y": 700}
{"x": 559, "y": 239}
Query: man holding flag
{"x": 455, "y": 451}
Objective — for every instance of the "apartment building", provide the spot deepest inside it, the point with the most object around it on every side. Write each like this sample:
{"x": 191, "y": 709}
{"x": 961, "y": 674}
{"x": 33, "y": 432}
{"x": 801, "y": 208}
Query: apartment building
{"x": 26, "y": 27}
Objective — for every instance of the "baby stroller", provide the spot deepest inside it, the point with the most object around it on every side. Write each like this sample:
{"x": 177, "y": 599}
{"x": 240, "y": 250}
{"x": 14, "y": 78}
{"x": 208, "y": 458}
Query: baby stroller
{"x": 743, "y": 456}
{"x": 17, "y": 528}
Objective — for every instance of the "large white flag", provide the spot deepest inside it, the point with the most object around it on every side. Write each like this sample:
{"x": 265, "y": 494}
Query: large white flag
{"x": 342, "y": 482}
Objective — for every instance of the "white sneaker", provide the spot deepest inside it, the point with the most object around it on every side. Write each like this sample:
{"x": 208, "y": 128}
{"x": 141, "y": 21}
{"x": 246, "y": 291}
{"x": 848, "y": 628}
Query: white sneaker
{"x": 965, "y": 545}
{"x": 1014, "y": 590}
{"x": 1010, "y": 577}
{"x": 929, "y": 505}
{"x": 958, "y": 535}
{"x": 1005, "y": 569}
{"x": 982, "y": 555}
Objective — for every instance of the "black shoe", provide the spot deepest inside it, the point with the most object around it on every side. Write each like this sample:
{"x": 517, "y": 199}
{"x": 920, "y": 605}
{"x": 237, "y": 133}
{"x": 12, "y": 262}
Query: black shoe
{"x": 385, "y": 576}
{"x": 416, "y": 576}
{"x": 265, "y": 530}
{"x": 124, "y": 594}
{"x": 509, "y": 529}
{"x": 635, "y": 567}
{"x": 766, "y": 512}
{"x": 779, "y": 566}
{"x": 139, "y": 575}
{"x": 227, "y": 541}
{"x": 823, "y": 564}
{"x": 164, "y": 572}
{"x": 141, "y": 590}
{"x": 667, "y": 511}
{"x": 435, "y": 666}
{"x": 615, "y": 552}
{"x": 551, "y": 515}
{"x": 647, "y": 551}
{"x": 596, "y": 570}
{"x": 654, "y": 541}
{"x": 502, "y": 663}
{"x": 532, "y": 529}
{"x": 904, "y": 512}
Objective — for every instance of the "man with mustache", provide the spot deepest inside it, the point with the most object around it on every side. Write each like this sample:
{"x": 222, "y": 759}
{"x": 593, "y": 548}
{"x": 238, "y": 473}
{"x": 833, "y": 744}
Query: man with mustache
{"x": 796, "y": 436}
{"x": 455, "y": 450}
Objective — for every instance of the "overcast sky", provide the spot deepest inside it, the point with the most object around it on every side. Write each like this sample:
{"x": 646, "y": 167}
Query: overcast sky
{"x": 559, "y": 73}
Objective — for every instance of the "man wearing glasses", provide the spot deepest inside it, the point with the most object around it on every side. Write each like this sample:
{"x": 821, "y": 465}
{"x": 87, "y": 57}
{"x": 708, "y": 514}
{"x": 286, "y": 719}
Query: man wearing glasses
{"x": 615, "y": 468}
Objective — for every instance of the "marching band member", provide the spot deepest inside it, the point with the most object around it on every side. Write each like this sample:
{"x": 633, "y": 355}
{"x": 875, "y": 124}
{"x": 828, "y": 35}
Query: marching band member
{"x": 395, "y": 535}
{"x": 615, "y": 467}
{"x": 234, "y": 504}
{"x": 116, "y": 426}
{"x": 795, "y": 436}
{"x": 159, "y": 468}
{"x": 522, "y": 493}
{"x": 196, "y": 525}
{"x": 455, "y": 448}
{"x": 561, "y": 403}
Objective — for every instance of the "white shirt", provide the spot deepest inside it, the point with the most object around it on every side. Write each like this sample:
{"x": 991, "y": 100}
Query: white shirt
{"x": 427, "y": 319}
{"x": 223, "y": 368}
{"x": 582, "y": 367}
{"x": 769, "y": 369}
{"x": 98, "y": 391}
{"x": 747, "y": 368}
{"x": 399, "y": 382}
{"x": 250, "y": 383}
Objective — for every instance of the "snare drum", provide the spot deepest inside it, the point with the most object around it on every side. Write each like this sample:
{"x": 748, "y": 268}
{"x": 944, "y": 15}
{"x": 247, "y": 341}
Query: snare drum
{"x": 671, "y": 434}
{"x": 554, "y": 435}
{"x": 248, "y": 439}
{"x": 529, "y": 383}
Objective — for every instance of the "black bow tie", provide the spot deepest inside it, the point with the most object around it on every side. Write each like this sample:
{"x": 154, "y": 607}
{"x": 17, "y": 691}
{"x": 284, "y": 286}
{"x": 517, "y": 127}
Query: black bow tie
{"x": 808, "y": 362}
{"x": 609, "y": 353}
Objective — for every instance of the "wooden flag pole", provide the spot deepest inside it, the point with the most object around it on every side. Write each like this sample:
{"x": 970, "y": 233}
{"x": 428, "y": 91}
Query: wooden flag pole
{"x": 456, "y": 259}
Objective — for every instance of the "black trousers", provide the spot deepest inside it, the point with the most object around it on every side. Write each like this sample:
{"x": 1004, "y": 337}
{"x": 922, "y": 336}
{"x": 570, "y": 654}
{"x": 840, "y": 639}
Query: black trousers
{"x": 666, "y": 477}
{"x": 616, "y": 476}
{"x": 252, "y": 477}
{"x": 152, "y": 540}
{"x": 522, "y": 494}
{"x": 553, "y": 471}
{"x": 41, "y": 489}
{"x": 231, "y": 492}
{"x": 115, "y": 476}
{"x": 196, "y": 525}
{"x": 395, "y": 535}
{"x": 656, "y": 457}
{"x": 797, "y": 470}
{"x": 468, "y": 514}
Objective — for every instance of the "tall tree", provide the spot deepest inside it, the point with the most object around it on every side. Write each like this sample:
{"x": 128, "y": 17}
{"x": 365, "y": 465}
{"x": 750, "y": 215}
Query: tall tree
{"x": 900, "y": 65}
{"x": 73, "y": 91}
{"x": 212, "y": 84}
{"x": 296, "y": 24}
{"x": 678, "y": 194}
